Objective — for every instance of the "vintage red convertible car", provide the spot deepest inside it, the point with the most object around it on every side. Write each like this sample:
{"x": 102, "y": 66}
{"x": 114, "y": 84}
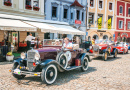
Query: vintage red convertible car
{"x": 104, "y": 48}
{"x": 46, "y": 61}
{"x": 122, "y": 47}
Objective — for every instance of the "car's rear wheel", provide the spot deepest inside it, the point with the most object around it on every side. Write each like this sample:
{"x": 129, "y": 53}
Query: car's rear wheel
{"x": 105, "y": 56}
{"x": 109, "y": 50}
{"x": 115, "y": 55}
{"x": 49, "y": 74}
{"x": 84, "y": 64}
{"x": 127, "y": 51}
{"x": 123, "y": 51}
{"x": 16, "y": 66}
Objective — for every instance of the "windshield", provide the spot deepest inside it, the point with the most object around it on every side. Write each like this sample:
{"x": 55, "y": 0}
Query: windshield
{"x": 121, "y": 44}
{"x": 52, "y": 42}
{"x": 103, "y": 41}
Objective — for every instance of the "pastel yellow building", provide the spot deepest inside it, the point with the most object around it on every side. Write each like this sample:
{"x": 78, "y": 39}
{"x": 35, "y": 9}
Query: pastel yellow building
{"x": 100, "y": 9}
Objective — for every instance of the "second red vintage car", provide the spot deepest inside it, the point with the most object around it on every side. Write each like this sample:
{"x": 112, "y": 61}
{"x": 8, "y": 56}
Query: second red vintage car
{"x": 104, "y": 48}
{"x": 122, "y": 47}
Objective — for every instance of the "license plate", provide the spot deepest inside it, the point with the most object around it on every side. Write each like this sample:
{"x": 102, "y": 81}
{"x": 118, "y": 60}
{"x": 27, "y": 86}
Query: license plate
{"x": 17, "y": 71}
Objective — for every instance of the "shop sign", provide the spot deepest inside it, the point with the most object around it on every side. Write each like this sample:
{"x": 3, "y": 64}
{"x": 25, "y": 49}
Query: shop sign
{"x": 113, "y": 35}
{"x": 124, "y": 34}
{"x": 77, "y": 22}
{"x": 101, "y": 30}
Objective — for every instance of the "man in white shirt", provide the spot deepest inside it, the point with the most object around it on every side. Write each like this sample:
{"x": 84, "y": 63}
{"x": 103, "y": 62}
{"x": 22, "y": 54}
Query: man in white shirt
{"x": 28, "y": 40}
{"x": 67, "y": 45}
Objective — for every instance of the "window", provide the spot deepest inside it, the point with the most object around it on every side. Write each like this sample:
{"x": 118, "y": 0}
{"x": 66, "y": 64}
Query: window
{"x": 91, "y": 3}
{"x": 71, "y": 15}
{"x": 121, "y": 9}
{"x": 82, "y": 16}
{"x": 110, "y": 6}
{"x": 129, "y": 11}
{"x": 100, "y": 4}
{"x": 28, "y": 2}
{"x": 91, "y": 18}
{"x": 36, "y": 3}
{"x": 78, "y": 14}
{"x": 7, "y": 2}
{"x": 99, "y": 15}
{"x": 54, "y": 11}
{"x": 111, "y": 19}
{"x": 128, "y": 25}
{"x": 65, "y": 13}
{"x": 120, "y": 24}
{"x": 33, "y": 33}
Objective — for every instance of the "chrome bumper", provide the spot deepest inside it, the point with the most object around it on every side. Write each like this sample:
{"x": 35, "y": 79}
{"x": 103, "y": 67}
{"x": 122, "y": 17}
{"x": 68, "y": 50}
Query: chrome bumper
{"x": 19, "y": 72}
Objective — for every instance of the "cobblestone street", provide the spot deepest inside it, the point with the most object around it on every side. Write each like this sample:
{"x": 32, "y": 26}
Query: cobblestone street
{"x": 113, "y": 74}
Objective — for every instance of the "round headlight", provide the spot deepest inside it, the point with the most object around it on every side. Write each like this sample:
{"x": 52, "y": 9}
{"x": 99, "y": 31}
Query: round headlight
{"x": 37, "y": 56}
{"x": 90, "y": 47}
{"x": 23, "y": 55}
{"x": 100, "y": 47}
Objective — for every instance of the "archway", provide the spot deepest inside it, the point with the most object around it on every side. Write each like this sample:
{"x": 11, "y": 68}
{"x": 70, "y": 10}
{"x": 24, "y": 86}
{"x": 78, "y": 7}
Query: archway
{"x": 95, "y": 37}
{"x": 89, "y": 38}
{"x": 124, "y": 39}
{"x": 105, "y": 37}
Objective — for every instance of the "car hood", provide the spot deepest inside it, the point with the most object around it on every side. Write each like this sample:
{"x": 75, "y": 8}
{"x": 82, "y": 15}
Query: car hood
{"x": 119, "y": 47}
{"x": 49, "y": 49}
{"x": 103, "y": 45}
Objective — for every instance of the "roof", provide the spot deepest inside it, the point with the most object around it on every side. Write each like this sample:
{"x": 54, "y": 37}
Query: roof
{"x": 76, "y": 3}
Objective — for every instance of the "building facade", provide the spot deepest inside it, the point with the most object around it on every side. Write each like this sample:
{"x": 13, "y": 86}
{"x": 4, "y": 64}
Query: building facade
{"x": 70, "y": 11}
{"x": 104, "y": 9}
{"x": 122, "y": 21}
{"x": 33, "y": 9}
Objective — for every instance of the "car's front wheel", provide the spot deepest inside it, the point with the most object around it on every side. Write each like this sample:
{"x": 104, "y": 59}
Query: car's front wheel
{"x": 49, "y": 74}
{"x": 115, "y": 55}
{"x": 84, "y": 64}
{"x": 16, "y": 66}
{"x": 105, "y": 56}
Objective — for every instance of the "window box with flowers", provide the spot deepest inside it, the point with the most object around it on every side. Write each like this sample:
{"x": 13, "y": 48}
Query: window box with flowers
{"x": 36, "y": 8}
{"x": 7, "y": 3}
{"x": 28, "y": 7}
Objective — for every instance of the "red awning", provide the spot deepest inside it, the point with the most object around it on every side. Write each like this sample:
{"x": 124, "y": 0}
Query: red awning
{"x": 76, "y": 3}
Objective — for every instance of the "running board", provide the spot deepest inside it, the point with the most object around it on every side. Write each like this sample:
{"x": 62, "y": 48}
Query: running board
{"x": 72, "y": 68}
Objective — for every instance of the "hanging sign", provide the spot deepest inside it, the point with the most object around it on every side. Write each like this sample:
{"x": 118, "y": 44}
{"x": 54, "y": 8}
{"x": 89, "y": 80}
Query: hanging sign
{"x": 100, "y": 23}
{"x": 109, "y": 23}
{"x": 77, "y": 22}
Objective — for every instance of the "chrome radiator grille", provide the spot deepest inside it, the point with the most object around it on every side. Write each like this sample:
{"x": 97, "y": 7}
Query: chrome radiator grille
{"x": 30, "y": 60}
{"x": 31, "y": 55}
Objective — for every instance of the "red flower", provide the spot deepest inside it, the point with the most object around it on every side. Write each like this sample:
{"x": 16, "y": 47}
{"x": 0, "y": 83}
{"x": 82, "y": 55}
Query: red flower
{"x": 7, "y": 3}
{"x": 28, "y": 7}
{"x": 36, "y": 8}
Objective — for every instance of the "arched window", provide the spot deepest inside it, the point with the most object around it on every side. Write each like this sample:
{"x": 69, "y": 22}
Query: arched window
{"x": 105, "y": 37}
{"x": 95, "y": 37}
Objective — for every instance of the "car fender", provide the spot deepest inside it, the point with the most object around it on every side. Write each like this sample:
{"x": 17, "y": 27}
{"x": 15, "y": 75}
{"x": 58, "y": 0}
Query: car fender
{"x": 104, "y": 50}
{"x": 83, "y": 55}
{"x": 18, "y": 60}
{"x": 114, "y": 50}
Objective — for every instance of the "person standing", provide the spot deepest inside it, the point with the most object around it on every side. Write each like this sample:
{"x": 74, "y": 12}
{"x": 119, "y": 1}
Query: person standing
{"x": 93, "y": 41}
{"x": 28, "y": 40}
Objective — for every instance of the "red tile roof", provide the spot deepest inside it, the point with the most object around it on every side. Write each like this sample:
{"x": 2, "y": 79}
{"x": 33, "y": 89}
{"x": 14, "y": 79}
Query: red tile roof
{"x": 76, "y": 3}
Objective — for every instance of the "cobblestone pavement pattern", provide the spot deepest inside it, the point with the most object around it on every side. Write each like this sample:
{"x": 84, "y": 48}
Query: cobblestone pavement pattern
{"x": 113, "y": 74}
